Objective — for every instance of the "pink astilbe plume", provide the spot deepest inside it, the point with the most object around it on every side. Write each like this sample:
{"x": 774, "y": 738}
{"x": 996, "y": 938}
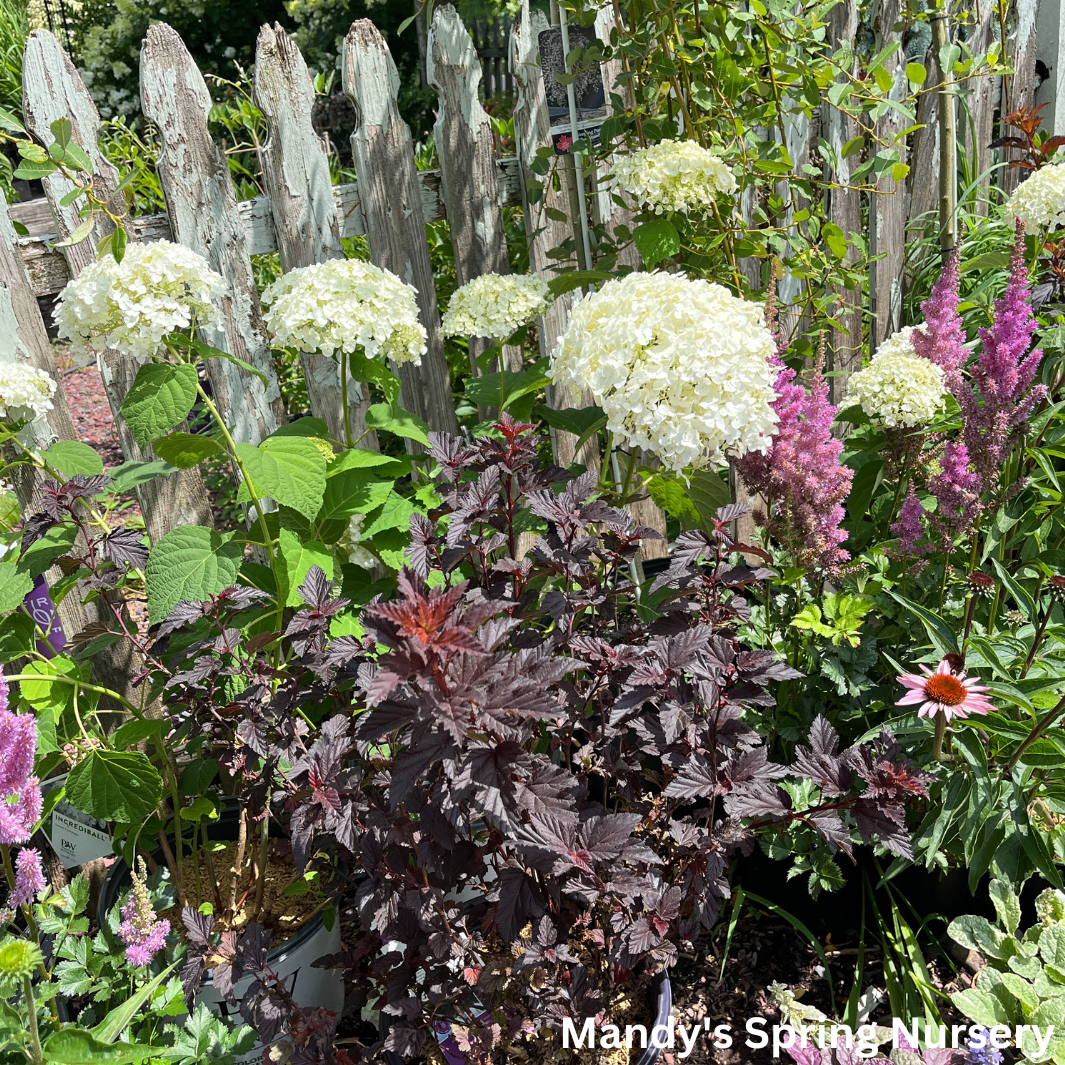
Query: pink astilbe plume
{"x": 29, "y": 877}
{"x": 143, "y": 933}
{"x": 20, "y": 792}
{"x": 942, "y": 339}
{"x": 800, "y": 474}
{"x": 910, "y": 530}
{"x": 957, "y": 491}
{"x": 1002, "y": 397}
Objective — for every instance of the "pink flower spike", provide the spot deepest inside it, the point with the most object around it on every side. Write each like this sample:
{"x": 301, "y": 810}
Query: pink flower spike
{"x": 29, "y": 877}
{"x": 955, "y": 694}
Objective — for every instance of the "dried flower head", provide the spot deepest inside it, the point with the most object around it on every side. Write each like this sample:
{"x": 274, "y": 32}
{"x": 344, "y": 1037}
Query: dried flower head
{"x": 954, "y": 694}
{"x": 681, "y": 368}
{"x": 674, "y": 176}
{"x": 25, "y": 392}
{"x": 495, "y": 305}
{"x": 143, "y": 933}
{"x": 1056, "y": 589}
{"x": 346, "y": 305}
{"x": 898, "y": 387}
{"x": 981, "y": 584}
{"x": 1040, "y": 200}
{"x": 157, "y": 289}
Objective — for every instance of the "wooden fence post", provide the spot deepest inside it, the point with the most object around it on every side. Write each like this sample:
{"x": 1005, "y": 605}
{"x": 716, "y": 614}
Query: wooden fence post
{"x": 844, "y": 209}
{"x": 388, "y": 182}
{"x": 202, "y": 206}
{"x": 296, "y": 175}
{"x": 1018, "y": 90}
{"x": 981, "y": 106}
{"x": 466, "y": 148}
{"x": 887, "y": 206}
{"x": 53, "y": 89}
{"x": 1050, "y": 47}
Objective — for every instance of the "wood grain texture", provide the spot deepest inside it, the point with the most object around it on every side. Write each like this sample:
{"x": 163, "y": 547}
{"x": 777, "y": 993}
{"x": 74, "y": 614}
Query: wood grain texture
{"x": 306, "y": 219}
{"x": 202, "y": 206}
{"x": 1050, "y": 42}
{"x": 53, "y": 89}
{"x": 980, "y": 102}
{"x": 922, "y": 180}
{"x": 466, "y": 148}
{"x": 383, "y": 156}
{"x": 887, "y": 208}
{"x": 844, "y": 208}
{"x": 1018, "y": 90}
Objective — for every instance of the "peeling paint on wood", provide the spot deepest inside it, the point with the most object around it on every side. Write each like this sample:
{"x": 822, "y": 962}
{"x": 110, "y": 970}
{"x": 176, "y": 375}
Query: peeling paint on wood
{"x": 384, "y": 164}
{"x": 202, "y": 206}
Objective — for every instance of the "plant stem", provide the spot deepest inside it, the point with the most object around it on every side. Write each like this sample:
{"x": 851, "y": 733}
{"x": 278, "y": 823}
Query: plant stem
{"x": 1041, "y": 726}
{"x": 344, "y": 397}
{"x": 31, "y": 1014}
{"x": 937, "y": 740}
{"x": 260, "y": 872}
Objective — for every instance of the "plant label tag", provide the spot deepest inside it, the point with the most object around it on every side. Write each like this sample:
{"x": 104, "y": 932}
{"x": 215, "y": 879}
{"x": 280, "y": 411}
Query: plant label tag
{"x": 75, "y": 837}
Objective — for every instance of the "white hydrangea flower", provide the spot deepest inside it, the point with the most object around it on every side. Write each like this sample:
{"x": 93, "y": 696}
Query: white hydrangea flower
{"x": 674, "y": 176}
{"x": 494, "y": 305}
{"x": 345, "y": 305}
{"x": 349, "y": 543}
{"x": 1040, "y": 200}
{"x": 25, "y": 392}
{"x": 681, "y": 368}
{"x": 158, "y": 288}
{"x": 899, "y": 388}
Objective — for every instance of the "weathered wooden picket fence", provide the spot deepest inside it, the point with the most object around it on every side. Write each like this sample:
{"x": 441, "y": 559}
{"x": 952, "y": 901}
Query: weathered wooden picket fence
{"x": 304, "y": 216}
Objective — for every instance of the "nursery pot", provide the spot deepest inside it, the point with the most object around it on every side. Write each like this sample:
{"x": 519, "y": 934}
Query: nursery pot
{"x": 453, "y": 1056}
{"x": 292, "y": 960}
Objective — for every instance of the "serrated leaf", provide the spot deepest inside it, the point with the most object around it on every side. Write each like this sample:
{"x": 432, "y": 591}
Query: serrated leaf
{"x": 188, "y": 563}
{"x": 297, "y": 558}
{"x": 15, "y": 585}
{"x": 185, "y": 450}
{"x": 129, "y": 475}
{"x": 288, "y": 469}
{"x": 353, "y": 492}
{"x": 708, "y": 492}
{"x": 395, "y": 514}
{"x": 1007, "y": 905}
{"x": 978, "y": 933}
{"x": 115, "y": 786}
{"x": 71, "y": 457}
{"x": 656, "y": 240}
{"x": 981, "y": 1006}
{"x": 160, "y": 399}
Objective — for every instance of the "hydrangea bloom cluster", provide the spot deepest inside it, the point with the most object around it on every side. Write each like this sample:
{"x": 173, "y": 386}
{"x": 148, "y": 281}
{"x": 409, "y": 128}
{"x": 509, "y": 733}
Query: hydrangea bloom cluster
{"x": 29, "y": 878}
{"x": 674, "y": 176}
{"x": 1040, "y": 200}
{"x": 801, "y": 472}
{"x": 898, "y": 387}
{"x": 1001, "y": 397}
{"x": 20, "y": 792}
{"x": 345, "y": 305}
{"x": 158, "y": 288}
{"x": 25, "y": 392}
{"x": 682, "y": 369}
{"x": 143, "y": 933}
{"x": 494, "y": 305}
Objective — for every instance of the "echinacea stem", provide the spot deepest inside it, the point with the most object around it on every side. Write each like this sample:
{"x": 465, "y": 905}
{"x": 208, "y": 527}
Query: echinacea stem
{"x": 941, "y": 731}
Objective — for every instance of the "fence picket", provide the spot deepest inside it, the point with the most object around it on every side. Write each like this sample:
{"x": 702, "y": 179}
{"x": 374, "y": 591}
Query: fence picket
{"x": 466, "y": 148}
{"x": 302, "y": 203}
{"x": 383, "y": 155}
{"x": 844, "y": 209}
{"x": 53, "y": 89}
{"x": 981, "y": 105}
{"x": 887, "y": 206}
{"x": 1018, "y": 90}
{"x": 202, "y": 206}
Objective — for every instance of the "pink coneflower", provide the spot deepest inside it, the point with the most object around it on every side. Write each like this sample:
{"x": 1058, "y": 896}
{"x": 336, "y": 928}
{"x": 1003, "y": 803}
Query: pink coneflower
{"x": 953, "y": 694}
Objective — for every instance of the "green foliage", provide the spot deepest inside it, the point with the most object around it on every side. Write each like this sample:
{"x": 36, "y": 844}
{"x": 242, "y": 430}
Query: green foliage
{"x": 1023, "y": 982}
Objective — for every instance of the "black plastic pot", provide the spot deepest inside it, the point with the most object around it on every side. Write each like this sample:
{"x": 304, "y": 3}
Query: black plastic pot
{"x": 453, "y": 1056}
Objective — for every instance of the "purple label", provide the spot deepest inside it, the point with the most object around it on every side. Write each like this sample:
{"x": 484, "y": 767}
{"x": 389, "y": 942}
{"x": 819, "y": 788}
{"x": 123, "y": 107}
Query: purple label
{"x": 38, "y": 604}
